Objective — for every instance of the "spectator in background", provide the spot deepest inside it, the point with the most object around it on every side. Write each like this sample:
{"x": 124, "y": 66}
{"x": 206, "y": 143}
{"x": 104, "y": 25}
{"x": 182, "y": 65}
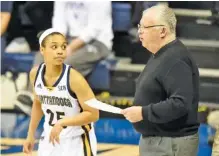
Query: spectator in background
{"x": 213, "y": 120}
{"x": 6, "y": 9}
{"x": 39, "y": 12}
{"x": 138, "y": 8}
{"x": 88, "y": 27}
{"x": 27, "y": 17}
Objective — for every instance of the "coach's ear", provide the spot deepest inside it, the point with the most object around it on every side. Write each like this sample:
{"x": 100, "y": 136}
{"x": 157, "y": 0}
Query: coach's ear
{"x": 163, "y": 32}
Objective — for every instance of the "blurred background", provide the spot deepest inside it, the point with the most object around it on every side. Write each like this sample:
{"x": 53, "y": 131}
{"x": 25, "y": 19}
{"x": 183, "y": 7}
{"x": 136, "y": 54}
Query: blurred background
{"x": 113, "y": 78}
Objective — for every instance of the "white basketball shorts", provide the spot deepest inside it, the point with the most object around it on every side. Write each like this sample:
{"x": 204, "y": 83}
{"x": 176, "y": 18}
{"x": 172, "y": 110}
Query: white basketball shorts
{"x": 84, "y": 145}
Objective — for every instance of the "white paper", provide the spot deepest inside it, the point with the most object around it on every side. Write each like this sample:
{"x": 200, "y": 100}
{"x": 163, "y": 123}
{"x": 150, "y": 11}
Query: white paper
{"x": 103, "y": 106}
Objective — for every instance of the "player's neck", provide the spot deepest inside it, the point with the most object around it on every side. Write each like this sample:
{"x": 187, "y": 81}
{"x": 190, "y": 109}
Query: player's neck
{"x": 53, "y": 71}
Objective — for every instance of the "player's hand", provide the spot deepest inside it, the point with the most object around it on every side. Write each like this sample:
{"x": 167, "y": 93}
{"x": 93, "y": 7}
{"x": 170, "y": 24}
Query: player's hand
{"x": 54, "y": 134}
{"x": 133, "y": 114}
{"x": 28, "y": 145}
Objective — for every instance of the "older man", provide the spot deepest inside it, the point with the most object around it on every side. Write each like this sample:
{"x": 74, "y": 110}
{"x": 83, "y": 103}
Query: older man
{"x": 167, "y": 90}
{"x": 213, "y": 120}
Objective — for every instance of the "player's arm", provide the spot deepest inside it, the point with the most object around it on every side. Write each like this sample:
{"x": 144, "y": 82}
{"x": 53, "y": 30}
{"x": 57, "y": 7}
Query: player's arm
{"x": 36, "y": 113}
{"x": 83, "y": 92}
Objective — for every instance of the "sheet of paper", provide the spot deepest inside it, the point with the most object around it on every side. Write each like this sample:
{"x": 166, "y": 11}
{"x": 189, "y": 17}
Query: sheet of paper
{"x": 103, "y": 106}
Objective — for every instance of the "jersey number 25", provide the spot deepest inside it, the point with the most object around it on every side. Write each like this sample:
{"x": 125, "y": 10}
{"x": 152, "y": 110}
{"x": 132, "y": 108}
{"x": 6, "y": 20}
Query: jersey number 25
{"x": 58, "y": 114}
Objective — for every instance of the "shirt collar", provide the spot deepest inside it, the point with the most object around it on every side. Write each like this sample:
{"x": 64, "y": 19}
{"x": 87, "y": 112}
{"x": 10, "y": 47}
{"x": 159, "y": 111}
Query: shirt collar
{"x": 164, "y": 48}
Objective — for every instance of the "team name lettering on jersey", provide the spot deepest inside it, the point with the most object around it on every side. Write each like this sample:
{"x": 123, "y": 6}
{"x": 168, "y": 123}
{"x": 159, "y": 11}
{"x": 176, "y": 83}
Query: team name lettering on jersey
{"x": 53, "y": 100}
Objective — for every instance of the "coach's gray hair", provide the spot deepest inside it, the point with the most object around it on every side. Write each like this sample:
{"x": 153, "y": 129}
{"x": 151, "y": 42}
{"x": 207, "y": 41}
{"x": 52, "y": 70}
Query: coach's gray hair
{"x": 166, "y": 15}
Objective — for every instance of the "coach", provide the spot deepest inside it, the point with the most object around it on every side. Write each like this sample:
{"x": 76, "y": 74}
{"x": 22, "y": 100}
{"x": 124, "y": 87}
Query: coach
{"x": 167, "y": 90}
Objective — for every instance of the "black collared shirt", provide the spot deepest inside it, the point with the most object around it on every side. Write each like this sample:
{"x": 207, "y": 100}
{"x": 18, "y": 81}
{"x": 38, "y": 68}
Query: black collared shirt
{"x": 168, "y": 90}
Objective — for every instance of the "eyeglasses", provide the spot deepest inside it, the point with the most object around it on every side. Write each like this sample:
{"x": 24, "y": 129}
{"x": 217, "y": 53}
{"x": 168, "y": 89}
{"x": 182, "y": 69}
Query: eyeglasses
{"x": 143, "y": 27}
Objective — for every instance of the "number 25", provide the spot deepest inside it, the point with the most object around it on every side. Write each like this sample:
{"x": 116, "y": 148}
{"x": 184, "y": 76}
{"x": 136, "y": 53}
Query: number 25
{"x": 58, "y": 114}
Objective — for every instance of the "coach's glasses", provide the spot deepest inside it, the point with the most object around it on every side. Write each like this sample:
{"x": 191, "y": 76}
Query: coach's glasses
{"x": 141, "y": 27}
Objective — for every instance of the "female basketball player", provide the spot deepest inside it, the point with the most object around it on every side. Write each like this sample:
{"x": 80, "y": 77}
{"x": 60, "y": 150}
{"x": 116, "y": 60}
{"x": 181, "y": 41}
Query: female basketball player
{"x": 59, "y": 94}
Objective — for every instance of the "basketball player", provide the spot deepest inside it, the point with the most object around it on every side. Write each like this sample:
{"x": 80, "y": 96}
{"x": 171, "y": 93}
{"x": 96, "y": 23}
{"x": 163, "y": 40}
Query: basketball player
{"x": 59, "y": 95}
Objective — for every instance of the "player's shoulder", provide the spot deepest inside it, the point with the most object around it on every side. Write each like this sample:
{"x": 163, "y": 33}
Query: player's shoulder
{"x": 75, "y": 76}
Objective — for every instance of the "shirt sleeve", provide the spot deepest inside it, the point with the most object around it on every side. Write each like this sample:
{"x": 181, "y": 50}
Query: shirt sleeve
{"x": 98, "y": 13}
{"x": 6, "y": 6}
{"x": 178, "y": 85}
{"x": 58, "y": 19}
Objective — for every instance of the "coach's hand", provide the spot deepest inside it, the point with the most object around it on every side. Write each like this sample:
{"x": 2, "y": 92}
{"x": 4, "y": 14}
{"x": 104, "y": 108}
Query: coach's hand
{"x": 54, "y": 134}
{"x": 133, "y": 114}
{"x": 28, "y": 145}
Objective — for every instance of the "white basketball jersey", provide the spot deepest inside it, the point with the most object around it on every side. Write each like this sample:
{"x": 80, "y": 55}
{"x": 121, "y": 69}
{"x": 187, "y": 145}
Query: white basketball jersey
{"x": 58, "y": 102}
